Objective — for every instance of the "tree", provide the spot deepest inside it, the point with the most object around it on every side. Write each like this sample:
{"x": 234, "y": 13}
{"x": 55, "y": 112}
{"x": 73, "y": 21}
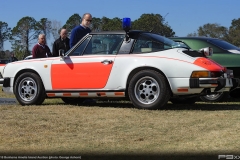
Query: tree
{"x": 72, "y": 22}
{"x": 44, "y": 26}
{"x": 234, "y": 32}
{"x": 55, "y": 29}
{"x": 192, "y": 34}
{"x": 213, "y": 30}
{"x": 2, "y": 54}
{"x": 96, "y": 24}
{"x": 111, "y": 24}
{"x": 153, "y": 22}
{"x": 24, "y": 34}
{"x": 4, "y": 33}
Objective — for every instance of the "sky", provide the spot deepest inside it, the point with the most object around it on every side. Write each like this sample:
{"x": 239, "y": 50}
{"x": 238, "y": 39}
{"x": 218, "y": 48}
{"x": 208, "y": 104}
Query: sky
{"x": 183, "y": 16}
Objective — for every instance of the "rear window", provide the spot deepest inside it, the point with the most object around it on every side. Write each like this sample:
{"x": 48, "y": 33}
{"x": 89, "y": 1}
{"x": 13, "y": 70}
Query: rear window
{"x": 224, "y": 45}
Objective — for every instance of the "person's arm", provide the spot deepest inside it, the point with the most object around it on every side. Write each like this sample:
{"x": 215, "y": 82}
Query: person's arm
{"x": 73, "y": 38}
{"x": 54, "y": 50}
{"x": 34, "y": 50}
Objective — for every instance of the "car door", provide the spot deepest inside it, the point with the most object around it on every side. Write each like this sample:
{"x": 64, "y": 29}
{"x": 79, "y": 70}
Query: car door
{"x": 88, "y": 66}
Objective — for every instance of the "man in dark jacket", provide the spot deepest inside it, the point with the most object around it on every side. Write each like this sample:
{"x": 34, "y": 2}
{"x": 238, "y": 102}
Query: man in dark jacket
{"x": 61, "y": 43}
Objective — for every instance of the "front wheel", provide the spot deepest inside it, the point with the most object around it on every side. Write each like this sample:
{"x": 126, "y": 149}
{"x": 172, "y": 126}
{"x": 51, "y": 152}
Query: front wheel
{"x": 148, "y": 89}
{"x": 29, "y": 89}
{"x": 218, "y": 97}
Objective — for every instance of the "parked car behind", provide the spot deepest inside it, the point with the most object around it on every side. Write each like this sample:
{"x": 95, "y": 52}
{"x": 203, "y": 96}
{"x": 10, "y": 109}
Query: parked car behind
{"x": 224, "y": 53}
{"x": 28, "y": 57}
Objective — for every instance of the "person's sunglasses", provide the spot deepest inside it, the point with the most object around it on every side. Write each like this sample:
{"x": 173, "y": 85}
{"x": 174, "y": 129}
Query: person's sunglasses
{"x": 88, "y": 20}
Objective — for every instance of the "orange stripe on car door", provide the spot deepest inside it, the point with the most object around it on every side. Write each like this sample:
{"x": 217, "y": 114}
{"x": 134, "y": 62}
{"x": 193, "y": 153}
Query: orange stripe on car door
{"x": 80, "y": 75}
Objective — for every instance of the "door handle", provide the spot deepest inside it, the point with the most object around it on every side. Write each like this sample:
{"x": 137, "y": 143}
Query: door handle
{"x": 107, "y": 61}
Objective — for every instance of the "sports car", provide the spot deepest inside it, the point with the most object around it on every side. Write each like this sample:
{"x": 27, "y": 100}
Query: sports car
{"x": 144, "y": 67}
{"x": 224, "y": 53}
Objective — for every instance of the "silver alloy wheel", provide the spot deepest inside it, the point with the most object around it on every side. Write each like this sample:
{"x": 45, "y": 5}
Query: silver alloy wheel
{"x": 147, "y": 90}
{"x": 27, "y": 89}
{"x": 213, "y": 96}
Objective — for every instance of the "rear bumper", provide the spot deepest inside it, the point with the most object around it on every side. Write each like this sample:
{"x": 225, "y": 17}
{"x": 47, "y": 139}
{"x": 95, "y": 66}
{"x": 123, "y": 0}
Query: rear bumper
{"x": 217, "y": 83}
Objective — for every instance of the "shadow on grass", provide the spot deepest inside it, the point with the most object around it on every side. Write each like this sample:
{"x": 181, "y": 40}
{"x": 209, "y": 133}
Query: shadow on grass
{"x": 233, "y": 105}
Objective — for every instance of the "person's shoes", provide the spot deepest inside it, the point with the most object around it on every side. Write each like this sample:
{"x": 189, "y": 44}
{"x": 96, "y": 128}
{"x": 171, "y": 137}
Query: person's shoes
{"x": 89, "y": 101}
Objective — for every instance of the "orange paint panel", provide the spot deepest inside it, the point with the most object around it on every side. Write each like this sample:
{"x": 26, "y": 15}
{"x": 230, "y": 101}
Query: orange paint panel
{"x": 80, "y": 75}
{"x": 208, "y": 64}
{"x": 119, "y": 93}
{"x": 67, "y": 94}
{"x": 2, "y": 64}
{"x": 51, "y": 94}
{"x": 182, "y": 90}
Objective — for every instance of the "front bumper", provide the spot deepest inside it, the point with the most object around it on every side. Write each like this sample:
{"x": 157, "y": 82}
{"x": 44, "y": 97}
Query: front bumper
{"x": 217, "y": 83}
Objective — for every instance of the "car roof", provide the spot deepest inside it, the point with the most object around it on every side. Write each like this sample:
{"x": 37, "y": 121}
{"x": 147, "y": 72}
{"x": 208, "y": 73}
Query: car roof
{"x": 131, "y": 32}
{"x": 196, "y": 38}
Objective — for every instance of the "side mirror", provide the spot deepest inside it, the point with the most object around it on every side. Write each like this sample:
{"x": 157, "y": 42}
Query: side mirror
{"x": 61, "y": 53}
{"x": 208, "y": 51}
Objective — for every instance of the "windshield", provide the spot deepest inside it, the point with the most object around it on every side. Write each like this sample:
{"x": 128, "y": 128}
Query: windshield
{"x": 224, "y": 45}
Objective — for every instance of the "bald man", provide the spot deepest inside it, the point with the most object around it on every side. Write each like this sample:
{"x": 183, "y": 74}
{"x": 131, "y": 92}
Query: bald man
{"x": 61, "y": 43}
{"x": 80, "y": 31}
{"x": 41, "y": 50}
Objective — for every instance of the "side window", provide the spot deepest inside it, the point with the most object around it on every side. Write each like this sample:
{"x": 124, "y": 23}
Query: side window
{"x": 182, "y": 44}
{"x": 79, "y": 50}
{"x": 104, "y": 44}
{"x": 146, "y": 44}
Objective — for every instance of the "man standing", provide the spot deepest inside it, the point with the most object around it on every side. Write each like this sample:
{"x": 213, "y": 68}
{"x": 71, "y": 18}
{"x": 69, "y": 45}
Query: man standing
{"x": 41, "y": 50}
{"x": 80, "y": 31}
{"x": 61, "y": 43}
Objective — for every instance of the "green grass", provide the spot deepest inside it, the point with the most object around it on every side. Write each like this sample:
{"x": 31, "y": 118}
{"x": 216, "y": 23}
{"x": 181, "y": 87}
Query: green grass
{"x": 107, "y": 128}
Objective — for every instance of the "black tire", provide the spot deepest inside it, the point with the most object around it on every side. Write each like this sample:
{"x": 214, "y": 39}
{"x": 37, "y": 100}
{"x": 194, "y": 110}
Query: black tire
{"x": 72, "y": 100}
{"x": 182, "y": 100}
{"x": 148, "y": 89}
{"x": 29, "y": 89}
{"x": 219, "y": 97}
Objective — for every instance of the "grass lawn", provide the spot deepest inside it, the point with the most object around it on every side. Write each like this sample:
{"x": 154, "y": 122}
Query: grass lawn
{"x": 116, "y": 128}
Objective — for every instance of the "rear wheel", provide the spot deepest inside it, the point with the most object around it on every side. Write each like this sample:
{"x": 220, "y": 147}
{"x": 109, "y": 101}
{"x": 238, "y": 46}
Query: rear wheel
{"x": 218, "y": 97}
{"x": 29, "y": 89}
{"x": 148, "y": 89}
